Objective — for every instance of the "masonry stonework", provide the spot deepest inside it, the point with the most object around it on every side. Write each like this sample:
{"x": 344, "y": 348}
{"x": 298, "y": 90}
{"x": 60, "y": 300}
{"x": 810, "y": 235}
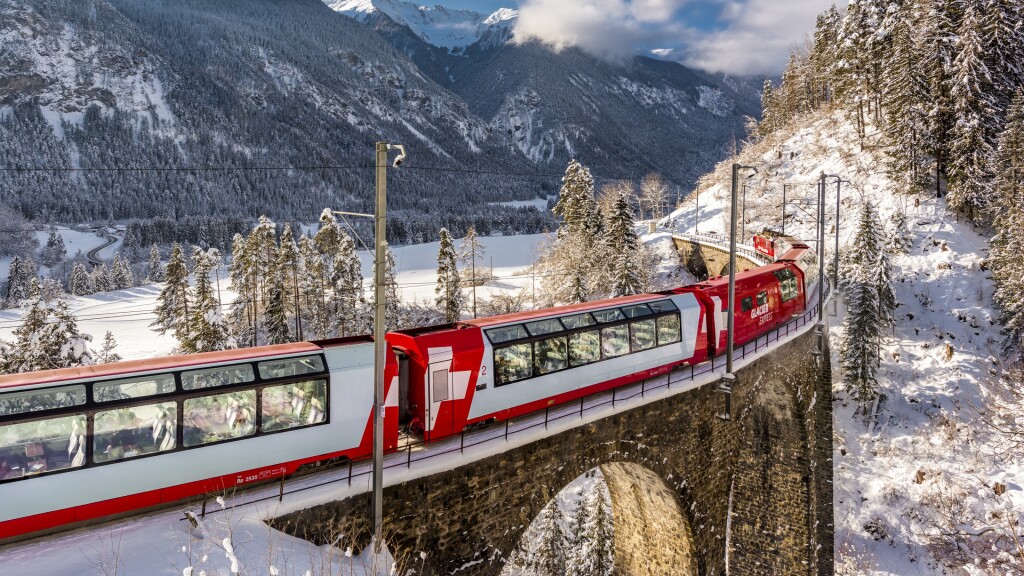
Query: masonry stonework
{"x": 704, "y": 261}
{"x": 771, "y": 463}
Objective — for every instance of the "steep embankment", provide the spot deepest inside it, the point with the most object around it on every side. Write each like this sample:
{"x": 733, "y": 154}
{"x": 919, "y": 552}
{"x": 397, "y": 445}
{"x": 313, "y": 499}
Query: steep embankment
{"x": 922, "y": 482}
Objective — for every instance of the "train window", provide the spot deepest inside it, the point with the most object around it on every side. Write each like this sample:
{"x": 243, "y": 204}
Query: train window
{"x": 762, "y": 298}
{"x": 606, "y": 316}
{"x": 578, "y": 321}
{"x": 668, "y": 329}
{"x": 642, "y": 335}
{"x": 221, "y": 417}
{"x": 541, "y": 327}
{"x": 220, "y": 376}
{"x": 513, "y": 363}
{"x": 788, "y": 286}
{"x": 129, "y": 432}
{"x": 293, "y": 405}
{"x": 662, "y": 306}
{"x": 291, "y": 367}
{"x": 747, "y": 304}
{"x": 439, "y": 385}
{"x": 549, "y": 355}
{"x": 133, "y": 388}
{"x": 30, "y": 448}
{"x": 614, "y": 341}
{"x": 507, "y": 333}
{"x": 584, "y": 347}
{"x": 38, "y": 400}
{"x": 636, "y": 311}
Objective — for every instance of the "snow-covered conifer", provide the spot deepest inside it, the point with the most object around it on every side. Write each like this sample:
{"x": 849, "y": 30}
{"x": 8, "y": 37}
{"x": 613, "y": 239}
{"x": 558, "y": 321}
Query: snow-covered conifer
{"x": 17, "y": 282}
{"x": 47, "y": 338}
{"x": 156, "y": 269}
{"x": 80, "y": 283}
{"x": 286, "y": 266}
{"x": 392, "y": 305}
{"x": 101, "y": 278}
{"x": 207, "y": 331}
{"x": 172, "y": 309}
{"x": 54, "y": 252}
{"x": 623, "y": 246}
{"x": 576, "y": 205}
{"x": 1008, "y": 243}
{"x": 349, "y": 296}
{"x": 106, "y": 354}
{"x": 121, "y": 273}
{"x": 900, "y": 239}
{"x": 278, "y": 327}
{"x": 243, "y": 316}
{"x": 448, "y": 291}
{"x": 313, "y": 287}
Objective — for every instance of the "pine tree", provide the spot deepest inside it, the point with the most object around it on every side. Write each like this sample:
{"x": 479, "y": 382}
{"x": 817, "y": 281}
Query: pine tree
{"x": 286, "y": 266}
{"x": 623, "y": 245}
{"x": 278, "y": 328}
{"x": 1008, "y": 243}
{"x": 349, "y": 297}
{"x": 17, "y": 282}
{"x": 900, "y": 239}
{"x": 80, "y": 284}
{"x": 172, "y": 310}
{"x": 392, "y": 305}
{"x": 106, "y": 354}
{"x": 972, "y": 133}
{"x": 54, "y": 252}
{"x": 156, "y": 269}
{"x": 207, "y": 330}
{"x": 313, "y": 287}
{"x": 769, "y": 115}
{"x": 576, "y": 205}
{"x": 101, "y": 279}
{"x": 244, "y": 314}
{"x": 47, "y": 338}
{"x": 906, "y": 98}
{"x": 121, "y": 273}
{"x": 470, "y": 252}
{"x": 859, "y": 350}
{"x": 449, "y": 287}
{"x": 882, "y": 281}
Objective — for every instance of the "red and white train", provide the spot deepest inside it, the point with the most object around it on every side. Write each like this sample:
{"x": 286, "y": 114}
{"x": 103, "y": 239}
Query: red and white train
{"x": 86, "y": 443}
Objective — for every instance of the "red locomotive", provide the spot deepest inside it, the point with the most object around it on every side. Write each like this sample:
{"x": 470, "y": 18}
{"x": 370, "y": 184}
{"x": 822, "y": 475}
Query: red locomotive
{"x": 86, "y": 443}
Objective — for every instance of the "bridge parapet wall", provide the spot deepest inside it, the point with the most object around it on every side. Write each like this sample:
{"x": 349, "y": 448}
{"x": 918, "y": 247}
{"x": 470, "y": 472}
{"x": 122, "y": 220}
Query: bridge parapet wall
{"x": 704, "y": 256}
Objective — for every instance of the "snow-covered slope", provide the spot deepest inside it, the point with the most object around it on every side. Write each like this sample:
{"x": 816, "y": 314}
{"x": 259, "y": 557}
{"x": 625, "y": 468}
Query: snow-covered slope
{"x": 919, "y": 484}
{"x": 443, "y": 27}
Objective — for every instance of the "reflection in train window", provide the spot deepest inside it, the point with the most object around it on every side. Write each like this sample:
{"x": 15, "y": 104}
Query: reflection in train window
{"x": 293, "y": 405}
{"x": 30, "y": 448}
{"x": 38, "y": 400}
{"x": 221, "y": 417}
{"x": 133, "y": 388}
{"x": 220, "y": 376}
{"x": 614, "y": 341}
{"x": 512, "y": 363}
{"x": 549, "y": 355}
{"x": 668, "y": 329}
{"x": 291, "y": 367}
{"x": 584, "y": 347}
{"x": 642, "y": 335}
{"x": 128, "y": 432}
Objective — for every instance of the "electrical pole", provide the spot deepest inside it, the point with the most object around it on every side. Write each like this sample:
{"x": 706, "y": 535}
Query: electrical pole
{"x": 472, "y": 249}
{"x": 730, "y": 377}
{"x": 784, "y": 209}
{"x": 379, "y": 345}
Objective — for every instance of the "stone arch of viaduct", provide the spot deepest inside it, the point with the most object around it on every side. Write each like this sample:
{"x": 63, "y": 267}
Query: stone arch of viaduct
{"x": 766, "y": 473}
{"x": 704, "y": 260}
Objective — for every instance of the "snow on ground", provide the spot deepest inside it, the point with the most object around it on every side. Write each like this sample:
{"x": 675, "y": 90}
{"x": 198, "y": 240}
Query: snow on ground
{"x": 924, "y": 466}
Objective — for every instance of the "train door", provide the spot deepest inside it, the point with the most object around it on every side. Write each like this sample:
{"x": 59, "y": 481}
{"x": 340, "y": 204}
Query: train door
{"x": 440, "y": 416}
{"x": 404, "y": 414}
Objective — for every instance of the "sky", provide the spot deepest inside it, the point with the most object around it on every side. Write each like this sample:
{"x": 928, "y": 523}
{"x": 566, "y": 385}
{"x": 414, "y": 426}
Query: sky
{"x": 732, "y": 36}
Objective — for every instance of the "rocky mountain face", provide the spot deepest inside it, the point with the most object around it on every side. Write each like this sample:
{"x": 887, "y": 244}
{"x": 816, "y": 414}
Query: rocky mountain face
{"x": 235, "y": 108}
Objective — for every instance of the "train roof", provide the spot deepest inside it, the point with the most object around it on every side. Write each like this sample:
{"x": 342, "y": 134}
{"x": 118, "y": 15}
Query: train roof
{"x": 152, "y": 364}
{"x": 562, "y": 310}
{"x": 742, "y": 278}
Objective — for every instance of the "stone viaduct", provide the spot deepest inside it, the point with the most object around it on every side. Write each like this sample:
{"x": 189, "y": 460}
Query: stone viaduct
{"x": 704, "y": 259}
{"x": 691, "y": 491}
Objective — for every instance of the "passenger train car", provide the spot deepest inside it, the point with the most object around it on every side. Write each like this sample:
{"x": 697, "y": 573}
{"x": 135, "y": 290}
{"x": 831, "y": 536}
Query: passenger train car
{"x": 85, "y": 443}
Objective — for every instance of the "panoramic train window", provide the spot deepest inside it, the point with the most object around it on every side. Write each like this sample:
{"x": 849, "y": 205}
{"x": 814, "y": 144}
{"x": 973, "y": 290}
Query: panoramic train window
{"x": 129, "y": 432}
{"x": 614, "y": 341}
{"x": 668, "y": 329}
{"x": 214, "y": 377}
{"x": 762, "y": 298}
{"x": 133, "y": 388}
{"x": 506, "y": 333}
{"x": 513, "y": 363}
{"x": 642, "y": 335}
{"x": 291, "y": 367}
{"x": 787, "y": 284}
{"x": 38, "y": 400}
{"x": 549, "y": 355}
{"x": 606, "y": 316}
{"x": 30, "y": 448}
{"x": 662, "y": 306}
{"x": 541, "y": 327}
{"x": 636, "y": 311}
{"x": 578, "y": 321}
{"x": 584, "y": 347}
{"x": 221, "y": 417}
{"x": 293, "y": 405}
